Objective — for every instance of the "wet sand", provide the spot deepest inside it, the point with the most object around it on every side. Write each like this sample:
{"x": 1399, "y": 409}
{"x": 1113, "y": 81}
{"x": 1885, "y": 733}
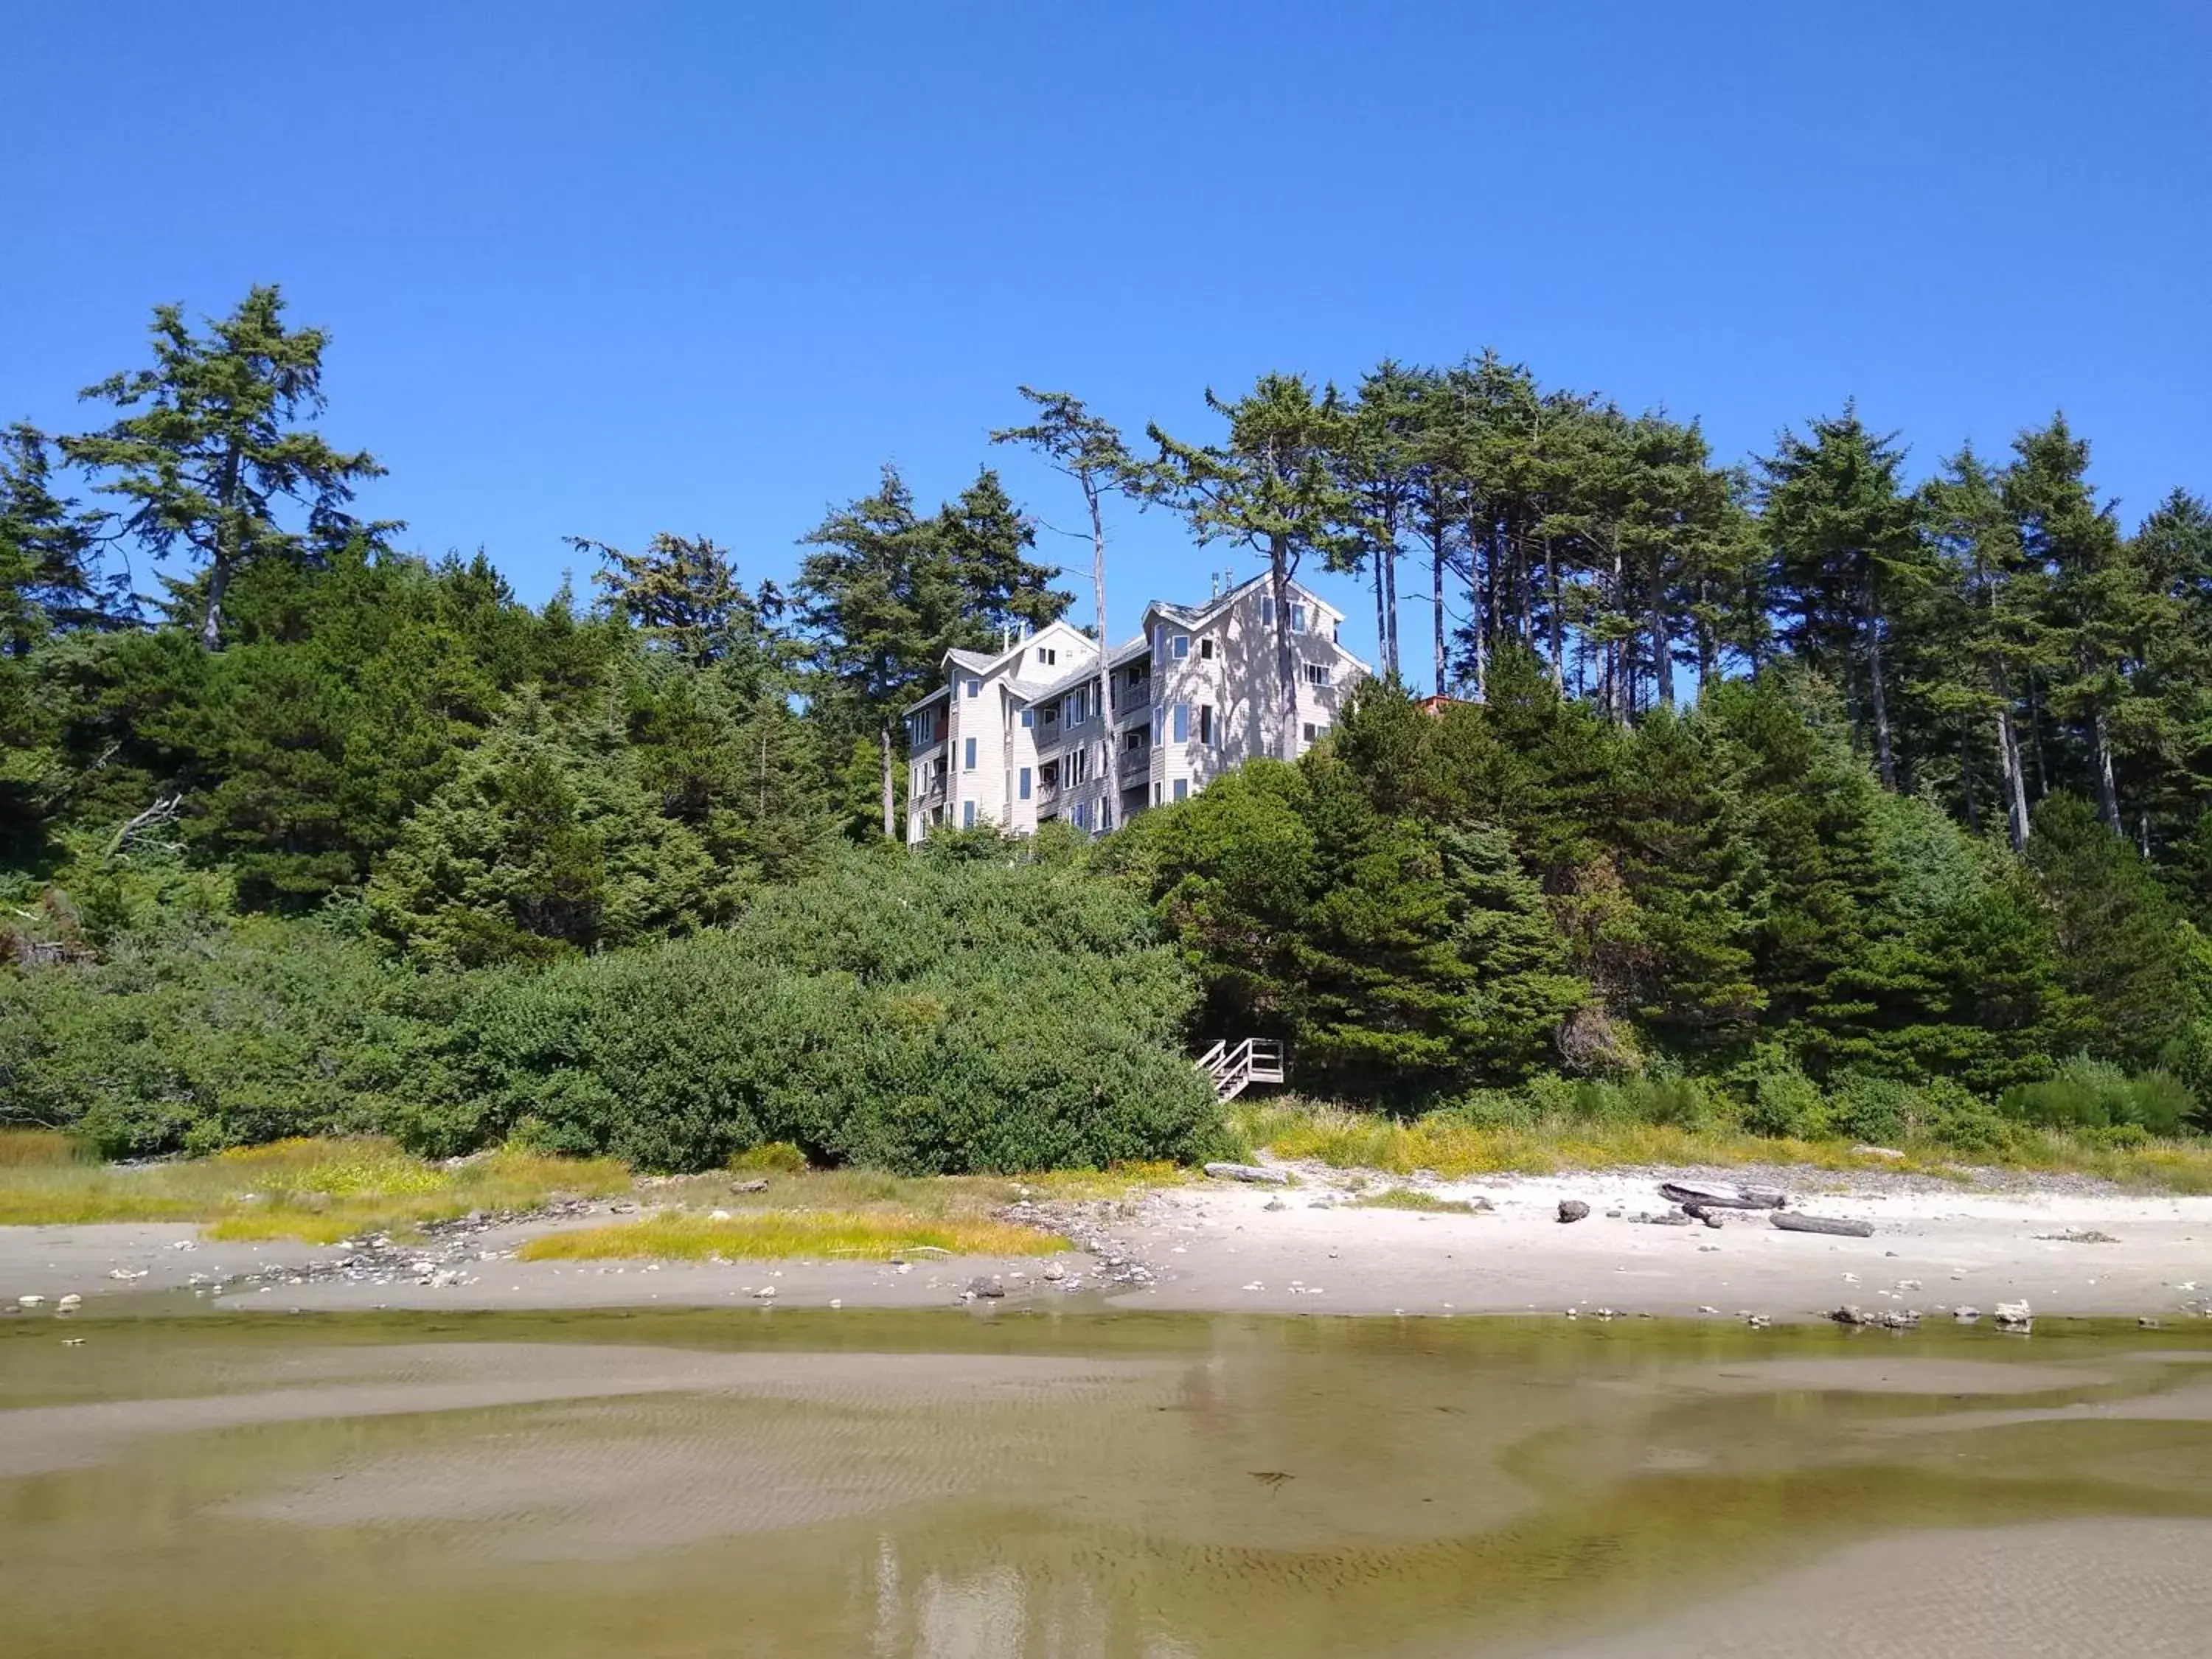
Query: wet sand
{"x": 2068, "y": 1591}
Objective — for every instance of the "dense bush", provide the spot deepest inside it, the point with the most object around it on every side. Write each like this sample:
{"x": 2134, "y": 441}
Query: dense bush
{"x": 2091, "y": 1094}
{"x": 922, "y": 1016}
{"x": 210, "y": 1038}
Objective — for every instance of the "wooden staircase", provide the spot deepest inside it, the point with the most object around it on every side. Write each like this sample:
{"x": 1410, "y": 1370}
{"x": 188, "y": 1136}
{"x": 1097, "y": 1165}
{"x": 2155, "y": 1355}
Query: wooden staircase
{"x": 1232, "y": 1068}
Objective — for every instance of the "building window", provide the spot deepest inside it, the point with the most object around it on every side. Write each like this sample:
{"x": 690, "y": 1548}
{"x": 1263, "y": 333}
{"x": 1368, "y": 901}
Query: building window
{"x": 1206, "y": 734}
{"x": 1049, "y": 774}
{"x": 1312, "y": 731}
{"x": 1266, "y": 611}
{"x": 1183, "y": 789}
{"x": 1157, "y": 788}
{"x": 1133, "y": 741}
{"x": 1182, "y": 722}
{"x": 1077, "y": 763}
{"x": 975, "y": 688}
{"x": 967, "y": 814}
{"x": 1025, "y": 780}
{"x": 1317, "y": 673}
{"x": 1205, "y": 650}
{"x": 1052, "y": 713}
{"x": 1182, "y": 647}
{"x": 1297, "y": 617}
{"x": 968, "y": 756}
{"x": 1047, "y": 655}
{"x": 1105, "y": 815}
{"x": 1029, "y": 717}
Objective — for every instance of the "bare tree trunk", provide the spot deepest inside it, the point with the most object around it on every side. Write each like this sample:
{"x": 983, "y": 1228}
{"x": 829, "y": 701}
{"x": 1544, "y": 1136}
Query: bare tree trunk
{"x": 2108, "y": 795}
{"x": 1390, "y": 582}
{"x": 212, "y": 608}
{"x": 1885, "y": 753}
{"x": 1286, "y": 661}
{"x": 2015, "y": 785}
{"x": 1662, "y": 646}
{"x": 1382, "y": 620}
{"x": 891, "y": 799}
{"x": 1110, "y": 788}
{"x": 1559, "y": 623}
{"x": 1437, "y": 603}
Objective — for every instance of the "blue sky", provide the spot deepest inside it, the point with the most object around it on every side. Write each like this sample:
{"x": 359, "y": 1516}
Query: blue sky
{"x": 605, "y": 270}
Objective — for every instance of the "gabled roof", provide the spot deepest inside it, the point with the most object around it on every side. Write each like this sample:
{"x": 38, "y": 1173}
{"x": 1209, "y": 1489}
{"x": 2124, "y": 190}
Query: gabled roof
{"x": 1194, "y": 616}
{"x": 1083, "y": 673}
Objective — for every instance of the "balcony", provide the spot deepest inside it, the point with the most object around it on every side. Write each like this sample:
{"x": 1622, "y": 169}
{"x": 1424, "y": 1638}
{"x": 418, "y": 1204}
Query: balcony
{"x": 1134, "y": 763}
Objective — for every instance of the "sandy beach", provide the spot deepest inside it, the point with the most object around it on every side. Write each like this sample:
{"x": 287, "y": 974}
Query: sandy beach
{"x": 2065, "y": 1246}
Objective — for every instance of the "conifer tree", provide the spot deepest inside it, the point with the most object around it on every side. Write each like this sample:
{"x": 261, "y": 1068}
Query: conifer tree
{"x": 215, "y": 448}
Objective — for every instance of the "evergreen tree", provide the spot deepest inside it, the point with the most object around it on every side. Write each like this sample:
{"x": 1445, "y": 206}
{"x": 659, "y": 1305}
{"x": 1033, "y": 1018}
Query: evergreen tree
{"x": 50, "y": 577}
{"x": 1845, "y": 552}
{"x": 1092, "y": 452}
{"x": 545, "y": 842}
{"x": 1268, "y": 489}
{"x": 216, "y": 444}
{"x": 2096, "y": 607}
{"x": 2120, "y": 947}
{"x": 884, "y": 594}
{"x": 684, "y": 591}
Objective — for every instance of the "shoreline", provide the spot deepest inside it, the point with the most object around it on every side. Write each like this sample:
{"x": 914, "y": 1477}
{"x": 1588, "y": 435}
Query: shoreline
{"x": 2067, "y": 1246}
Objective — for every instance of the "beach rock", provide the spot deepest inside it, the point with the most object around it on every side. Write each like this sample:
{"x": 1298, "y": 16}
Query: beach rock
{"x": 30, "y": 1302}
{"x": 1572, "y": 1209}
{"x": 1055, "y": 1272}
{"x": 766, "y": 1293}
{"x": 755, "y": 1186}
{"x": 1890, "y": 1152}
{"x": 2014, "y": 1316}
{"x": 1966, "y": 1315}
{"x": 1662, "y": 1218}
{"x": 1249, "y": 1172}
{"x": 983, "y": 1285}
{"x": 1274, "y": 1204}
{"x": 69, "y": 1304}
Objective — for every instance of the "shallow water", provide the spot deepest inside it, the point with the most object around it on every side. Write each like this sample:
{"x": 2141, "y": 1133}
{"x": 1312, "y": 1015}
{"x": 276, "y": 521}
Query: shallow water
{"x": 885, "y": 1484}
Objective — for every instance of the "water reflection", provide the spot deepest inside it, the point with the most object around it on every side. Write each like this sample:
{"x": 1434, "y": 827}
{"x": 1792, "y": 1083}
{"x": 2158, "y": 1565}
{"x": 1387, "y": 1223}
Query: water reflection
{"x": 1122, "y": 1487}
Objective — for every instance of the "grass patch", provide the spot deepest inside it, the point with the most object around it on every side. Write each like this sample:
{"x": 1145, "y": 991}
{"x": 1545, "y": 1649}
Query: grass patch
{"x": 1412, "y": 1198}
{"x": 21, "y": 1149}
{"x": 318, "y": 1190}
{"x": 778, "y": 1235}
{"x": 1453, "y": 1149}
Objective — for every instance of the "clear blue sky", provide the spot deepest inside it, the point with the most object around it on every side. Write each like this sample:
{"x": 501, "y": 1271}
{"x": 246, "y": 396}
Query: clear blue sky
{"x": 609, "y": 269}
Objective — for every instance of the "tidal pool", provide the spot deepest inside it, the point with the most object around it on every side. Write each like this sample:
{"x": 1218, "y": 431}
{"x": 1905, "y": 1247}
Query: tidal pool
{"x": 674, "y": 1483}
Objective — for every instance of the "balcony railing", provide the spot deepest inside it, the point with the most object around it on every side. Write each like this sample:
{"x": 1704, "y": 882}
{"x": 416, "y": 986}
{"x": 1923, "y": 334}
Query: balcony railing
{"x": 1134, "y": 763}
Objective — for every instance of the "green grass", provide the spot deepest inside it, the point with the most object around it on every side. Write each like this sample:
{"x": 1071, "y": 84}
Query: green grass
{"x": 1412, "y": 1198}
{"x": 780, "y": 1235}
{"x": 316, "y": 1190}
{"x": 1453, "y": 1149}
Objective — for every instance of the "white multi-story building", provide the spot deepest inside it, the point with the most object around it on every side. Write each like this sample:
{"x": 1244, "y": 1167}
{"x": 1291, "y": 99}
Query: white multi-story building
{"x": 1017, "y": 739}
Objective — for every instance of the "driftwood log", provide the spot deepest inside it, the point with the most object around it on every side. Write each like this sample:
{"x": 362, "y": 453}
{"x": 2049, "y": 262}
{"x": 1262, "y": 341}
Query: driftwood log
{"x": 1792, "y": 1222}
{"x": 1723, "y": 1198}
{"x": 1252, "y": 1172}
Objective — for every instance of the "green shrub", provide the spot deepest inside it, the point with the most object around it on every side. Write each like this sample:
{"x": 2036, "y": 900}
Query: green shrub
{"x": 1878, "y": 1110}
{"x": 2086, "y": 1094}
{"x": 1779, "y": 1099}
{"x": 918, "y": 1015}
{"x": 776, "y": 1155}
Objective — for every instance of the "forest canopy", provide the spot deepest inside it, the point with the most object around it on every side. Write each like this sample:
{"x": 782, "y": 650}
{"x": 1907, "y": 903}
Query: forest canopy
{"x": 1799, "y": 793}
